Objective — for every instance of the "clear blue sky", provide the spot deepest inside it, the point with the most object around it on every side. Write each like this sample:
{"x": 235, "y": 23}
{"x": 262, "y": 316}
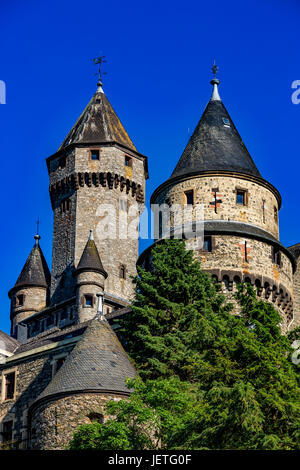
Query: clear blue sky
{"x": 159, "y": 55}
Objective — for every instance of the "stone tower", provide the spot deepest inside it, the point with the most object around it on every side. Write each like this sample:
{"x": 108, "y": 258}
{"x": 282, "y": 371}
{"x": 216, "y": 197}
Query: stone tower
{"x": 97, "y": 167}
{"x": 30, "y": 293}
{"x": 241, "y": 231}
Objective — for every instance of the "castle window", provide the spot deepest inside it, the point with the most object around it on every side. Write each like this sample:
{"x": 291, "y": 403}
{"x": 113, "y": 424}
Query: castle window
{"x": 7, "y": 429}
{"x": 276, "y": 256}
{"x": 122, "y": 272}
{"x": 189, "y": 197}
{"x": 94, "y": 154}
{"x": 226, "y": 122}
{"x": 276, "y": 215}
{"x": 241, "y": 197}
{"x": 96, "y": 418}
{"x": 65, "y": 205}
{"x": 49, "y": 321}
{"x": 9, "y": 385}
{"x": 20, "y": 300}
{"x": 123, "y": 204}
{"x": 62, "y": 163}
{"x": 59, "y": 363}
{"x": 88, "y": 300}
{"x": 128, "y": 161}
{"x": 207, "y": 244}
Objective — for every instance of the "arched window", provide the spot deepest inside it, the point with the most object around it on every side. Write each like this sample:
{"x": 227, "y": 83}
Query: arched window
{"x": 226, "y": 282}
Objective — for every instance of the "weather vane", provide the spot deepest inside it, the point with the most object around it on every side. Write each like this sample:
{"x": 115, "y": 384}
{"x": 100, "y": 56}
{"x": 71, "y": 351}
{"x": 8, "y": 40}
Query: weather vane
{"x": 215, "y": 68}
{"x": 99, "y": 61}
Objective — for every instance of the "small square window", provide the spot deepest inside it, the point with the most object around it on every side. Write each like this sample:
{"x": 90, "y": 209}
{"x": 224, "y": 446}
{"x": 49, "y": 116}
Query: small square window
{"x": 128, "y": 161}
{"x": 94, "y": 154}
{"x": 189, "y": 197}
{"x": 88, "y": 300}
{"x": 241, "y": 197}
{"x": 207, "y": 244}
{"x": 9, "y": 384}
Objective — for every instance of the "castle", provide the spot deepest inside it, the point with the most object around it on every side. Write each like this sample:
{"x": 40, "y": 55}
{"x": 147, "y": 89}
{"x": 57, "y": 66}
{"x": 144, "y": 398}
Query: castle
{"x": 63, "y": 361}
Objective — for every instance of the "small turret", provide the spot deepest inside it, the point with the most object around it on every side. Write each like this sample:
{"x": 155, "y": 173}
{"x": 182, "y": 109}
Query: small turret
{"x": 30, "y": 293}
{"x": 90, "y": 277}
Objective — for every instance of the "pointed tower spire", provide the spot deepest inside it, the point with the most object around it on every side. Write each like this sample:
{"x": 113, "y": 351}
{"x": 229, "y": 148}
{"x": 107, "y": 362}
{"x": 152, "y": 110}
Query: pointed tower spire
{"x": 35, "y": 272}
{"x": 215, "y": 82}
{"x": 90, "y": 258}
{"x": 215, "y": 144}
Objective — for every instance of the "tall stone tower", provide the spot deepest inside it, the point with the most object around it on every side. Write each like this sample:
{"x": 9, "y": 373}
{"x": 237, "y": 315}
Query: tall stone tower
{"x": 241, "y": 231}
{"x": 96, "y": 176}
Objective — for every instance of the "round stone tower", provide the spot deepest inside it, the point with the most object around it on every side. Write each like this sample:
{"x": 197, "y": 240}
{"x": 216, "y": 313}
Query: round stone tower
{"x": 239, "y": 211}
{"x": 90, "y": 276}
{"x": 30, "y": 293}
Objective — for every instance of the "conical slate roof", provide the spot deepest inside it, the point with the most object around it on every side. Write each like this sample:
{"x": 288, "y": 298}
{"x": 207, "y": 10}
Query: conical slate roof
{"x": 97, "y": 363}
{"x": 98, "y": 124}
{"x": 215, "y": 144}
{"x": 35, "y": 271}
{"x": 90, "y": 258}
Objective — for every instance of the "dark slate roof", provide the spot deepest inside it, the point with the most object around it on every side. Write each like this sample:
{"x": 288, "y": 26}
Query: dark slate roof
{"x": 90, "y": 259}
{"x": 97, "y": 363}
{"x": 98, "y": 124}
{"x": 51, "y": 336}
{"x": 295, "y": 250}
{"x": 215, "y": 147}
{"x": 35, "y": 271}
{"x": 8, "y": 343}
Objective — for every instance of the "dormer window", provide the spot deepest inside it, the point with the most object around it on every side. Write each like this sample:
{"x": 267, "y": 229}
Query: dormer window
{"x": 94, "y": 154}
{"x": 226, "y": 122}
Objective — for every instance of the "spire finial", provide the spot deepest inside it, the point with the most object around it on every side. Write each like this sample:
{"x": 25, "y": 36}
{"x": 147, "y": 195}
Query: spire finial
{"x": 215, "y": 82}
{"x": 99, "y": 61}
{"x": 37, "y": 236}
{"x": 91, "y": 237}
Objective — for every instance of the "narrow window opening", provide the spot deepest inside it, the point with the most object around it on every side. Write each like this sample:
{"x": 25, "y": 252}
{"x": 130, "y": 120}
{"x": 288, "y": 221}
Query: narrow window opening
{"x": 207, "y": 244}
{"x": 88, "y": 300}
{"x": 7, "y": 428}
{"x": 276, "y": 256}
{"x": 62, "y": 163}
{"x": 20, "y": 300}
{"x": 128, "y": 161}
{"x": 276, "y": 215}
{"x": 241, "y": 197}
{"x": 122, "y": 272}
{"x": 10, "y": 380}
{"x": 189, "y": 197}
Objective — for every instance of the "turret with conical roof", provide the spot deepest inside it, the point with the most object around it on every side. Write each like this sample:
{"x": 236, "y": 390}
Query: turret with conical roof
{"x": 30, "y": 293}
{"x": 217, "y": 183}
{"x": 90, "y": 276}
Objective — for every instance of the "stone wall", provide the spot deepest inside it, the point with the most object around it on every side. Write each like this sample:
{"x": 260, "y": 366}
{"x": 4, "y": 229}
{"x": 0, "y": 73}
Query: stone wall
{"x": 221, "y": 204}
{"x": 53, "y": 423}
{"x": 34, "y": 300}
{"x": 32, "y": 376}
{"x": 71, "y": 227}
{"x": 297, "y": 295}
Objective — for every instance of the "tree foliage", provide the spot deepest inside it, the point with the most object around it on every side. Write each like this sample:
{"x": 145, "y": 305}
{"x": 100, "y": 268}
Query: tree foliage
{"x": 212, "y": 374}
